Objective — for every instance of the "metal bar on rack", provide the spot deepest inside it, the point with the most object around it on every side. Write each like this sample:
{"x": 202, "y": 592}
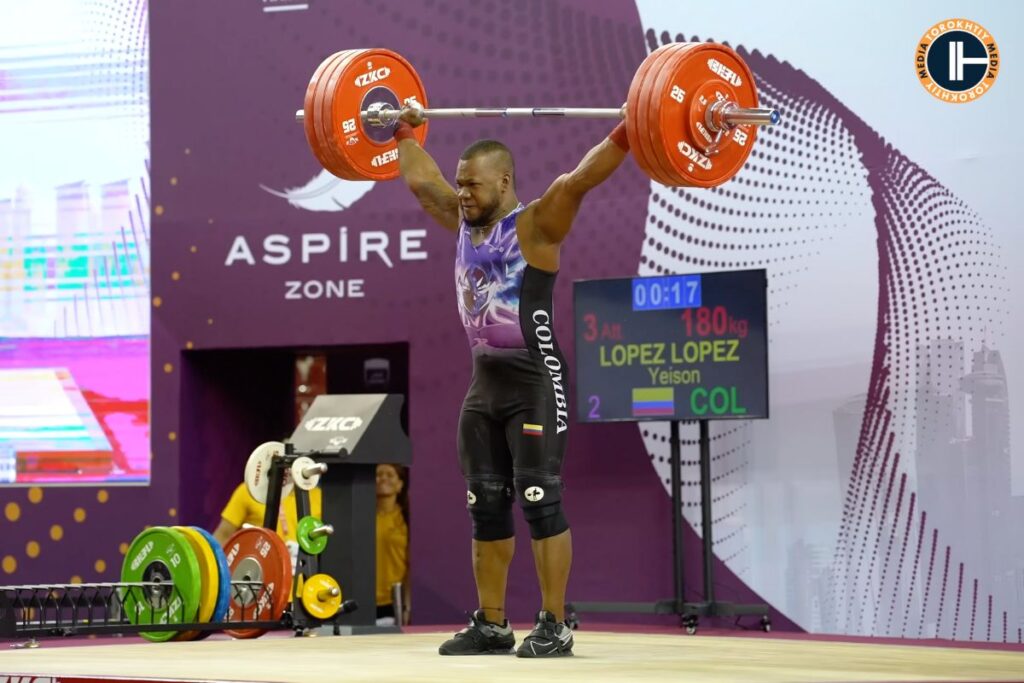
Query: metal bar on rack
{"x": 30, "y": 611}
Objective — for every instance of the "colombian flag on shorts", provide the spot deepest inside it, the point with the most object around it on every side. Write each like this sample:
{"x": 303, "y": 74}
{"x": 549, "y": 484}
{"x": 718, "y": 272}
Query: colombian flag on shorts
{"x": 533, "y": 430}
{"x": 660, "y": 401}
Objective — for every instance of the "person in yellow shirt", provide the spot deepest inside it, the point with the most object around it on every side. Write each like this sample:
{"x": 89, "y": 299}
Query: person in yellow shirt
{"x": 392, "y": 540}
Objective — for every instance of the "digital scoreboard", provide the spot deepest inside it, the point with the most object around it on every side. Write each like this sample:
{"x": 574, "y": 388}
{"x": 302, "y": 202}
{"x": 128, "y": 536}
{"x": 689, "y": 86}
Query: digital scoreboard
{"x": 675, "y": 347}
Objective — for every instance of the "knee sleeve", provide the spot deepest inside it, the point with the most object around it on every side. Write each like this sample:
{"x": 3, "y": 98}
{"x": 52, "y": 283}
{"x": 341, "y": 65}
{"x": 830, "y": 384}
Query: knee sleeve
{"x": 489, "y": 502}
{"x": 541, "y": 499}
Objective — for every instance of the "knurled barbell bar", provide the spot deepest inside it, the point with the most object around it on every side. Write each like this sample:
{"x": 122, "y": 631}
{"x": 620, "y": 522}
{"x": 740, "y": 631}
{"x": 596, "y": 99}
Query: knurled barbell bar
{"x": 692, "y": 113}
{"x": 720, "y": 116}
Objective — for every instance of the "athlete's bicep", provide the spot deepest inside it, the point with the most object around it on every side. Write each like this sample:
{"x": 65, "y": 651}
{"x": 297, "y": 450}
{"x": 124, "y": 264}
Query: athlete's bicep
{"x": 420, "y": 172}
{"x": 440, "y": 201}
{"x": 556, "y": 209}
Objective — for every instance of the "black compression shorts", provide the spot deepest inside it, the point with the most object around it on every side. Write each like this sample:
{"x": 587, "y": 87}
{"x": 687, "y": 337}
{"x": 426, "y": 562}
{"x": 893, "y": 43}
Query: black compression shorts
{"x": 515, "y": 415}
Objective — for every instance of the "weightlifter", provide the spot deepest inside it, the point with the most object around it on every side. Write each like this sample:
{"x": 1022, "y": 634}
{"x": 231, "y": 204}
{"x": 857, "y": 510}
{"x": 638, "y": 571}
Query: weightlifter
{"x": 515, "y": 417}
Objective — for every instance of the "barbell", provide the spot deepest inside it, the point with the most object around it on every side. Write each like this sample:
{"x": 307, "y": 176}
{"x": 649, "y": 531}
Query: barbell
{"x": 691, "y": 113}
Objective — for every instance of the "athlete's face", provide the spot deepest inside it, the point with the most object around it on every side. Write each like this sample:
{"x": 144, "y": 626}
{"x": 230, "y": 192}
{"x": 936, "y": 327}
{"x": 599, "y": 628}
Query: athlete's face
{"x": 481, "y": 185}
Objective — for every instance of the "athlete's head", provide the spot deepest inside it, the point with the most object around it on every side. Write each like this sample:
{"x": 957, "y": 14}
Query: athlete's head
{"x": 485, "y": 179}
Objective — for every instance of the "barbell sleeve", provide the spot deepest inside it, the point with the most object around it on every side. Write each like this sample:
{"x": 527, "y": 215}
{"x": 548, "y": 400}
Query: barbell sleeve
{"x": 327, "y": 593}
{"x": 325, "y": 530}
{"x": 312, "y": 470}
{"x": 741, "y": 116}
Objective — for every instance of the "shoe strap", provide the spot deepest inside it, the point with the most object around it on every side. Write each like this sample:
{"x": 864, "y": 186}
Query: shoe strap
{"x": 476, "y": 627}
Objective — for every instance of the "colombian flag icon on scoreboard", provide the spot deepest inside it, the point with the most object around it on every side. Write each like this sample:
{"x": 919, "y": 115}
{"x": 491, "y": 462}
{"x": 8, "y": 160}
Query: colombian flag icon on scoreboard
{"x": 659, "y": 401}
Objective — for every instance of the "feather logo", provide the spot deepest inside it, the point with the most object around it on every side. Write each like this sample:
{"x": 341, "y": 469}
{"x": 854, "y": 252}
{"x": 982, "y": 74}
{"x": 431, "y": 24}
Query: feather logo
{"x": 325, "y": 192}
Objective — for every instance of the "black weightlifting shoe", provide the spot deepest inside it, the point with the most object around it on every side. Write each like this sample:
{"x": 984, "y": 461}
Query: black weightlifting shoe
{"x": 549, "y": 638}
{"x": 481, "y": 637}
